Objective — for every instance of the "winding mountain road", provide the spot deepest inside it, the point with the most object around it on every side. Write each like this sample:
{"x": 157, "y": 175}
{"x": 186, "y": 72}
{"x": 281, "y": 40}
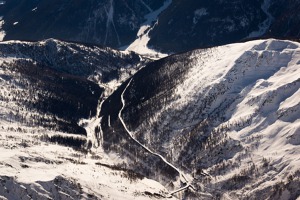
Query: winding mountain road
{"x": 183, "y": 177}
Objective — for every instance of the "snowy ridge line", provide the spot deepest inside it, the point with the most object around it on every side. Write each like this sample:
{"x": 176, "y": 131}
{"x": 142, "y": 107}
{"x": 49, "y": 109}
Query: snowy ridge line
{"x": 181, "y": 174}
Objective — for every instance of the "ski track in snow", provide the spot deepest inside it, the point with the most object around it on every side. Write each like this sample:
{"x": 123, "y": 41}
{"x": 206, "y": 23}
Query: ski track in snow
{"x": 110, "y": 21}
{"x": 183, "y": 178}
{"x": 148, "y": 7}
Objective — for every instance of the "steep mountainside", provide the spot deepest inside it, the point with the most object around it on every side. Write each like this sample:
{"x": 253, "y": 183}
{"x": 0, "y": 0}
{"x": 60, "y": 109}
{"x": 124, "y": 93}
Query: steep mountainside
{"x": 54, "y": 84}
{"x": 171, "y": 114}
{"x": 187, "y": 25}
{"x": 51, "y": 88}
{"x": 100, "y": 64}
{"x": 168, "y": 26}
{"x": 109, "y": 22}
{"x": 287, "y": 19}
{"x": 228, "y": 116}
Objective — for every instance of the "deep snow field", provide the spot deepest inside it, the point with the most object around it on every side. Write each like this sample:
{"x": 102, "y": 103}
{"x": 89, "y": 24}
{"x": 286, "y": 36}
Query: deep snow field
{"x": 33, "y": 169}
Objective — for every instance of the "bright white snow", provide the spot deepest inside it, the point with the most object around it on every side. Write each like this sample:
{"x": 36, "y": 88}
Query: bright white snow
{"x": 2, "y": 33}
{"x": 261, "y": 79}
{"x": 182, "y": 176}
{"x": 140, "y": 44}
{"x": 260, "y": 82}
{"x": 33, "y": 165}
{"x": 29, "y": 161}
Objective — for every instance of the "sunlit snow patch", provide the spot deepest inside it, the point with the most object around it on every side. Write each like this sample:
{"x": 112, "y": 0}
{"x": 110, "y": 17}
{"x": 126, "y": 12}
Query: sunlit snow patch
{"x": 2, "y": 33}
{"x": 140, "y": 44}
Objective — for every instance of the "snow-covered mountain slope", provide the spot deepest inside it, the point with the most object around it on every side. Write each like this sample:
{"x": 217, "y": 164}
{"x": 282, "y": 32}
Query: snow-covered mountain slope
{"x": 36, "y": 96}
{"x": 47, "y": 89}
{"x": 31, "y": 168}
{"x": 54, "y": 84}
{"x": 228, "y": 116}
{"x": 100, "y": 64}
{"x": 216, "y": 123}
